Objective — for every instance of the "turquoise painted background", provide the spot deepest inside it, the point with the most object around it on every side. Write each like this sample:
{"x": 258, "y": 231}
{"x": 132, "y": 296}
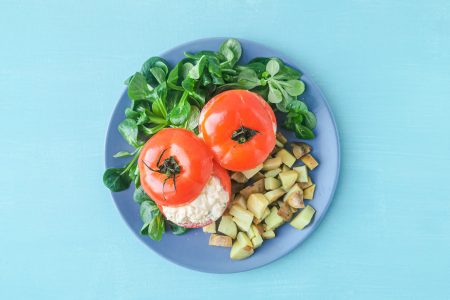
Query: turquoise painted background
{"x": 384, "y": 67}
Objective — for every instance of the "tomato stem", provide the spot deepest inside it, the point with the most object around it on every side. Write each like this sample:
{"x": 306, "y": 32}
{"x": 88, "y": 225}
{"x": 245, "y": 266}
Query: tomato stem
{"x": 243, "y": 134}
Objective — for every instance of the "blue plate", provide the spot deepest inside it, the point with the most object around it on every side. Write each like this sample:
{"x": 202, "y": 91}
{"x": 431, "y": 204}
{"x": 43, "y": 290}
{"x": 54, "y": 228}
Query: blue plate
{"x": 191, "y": 250}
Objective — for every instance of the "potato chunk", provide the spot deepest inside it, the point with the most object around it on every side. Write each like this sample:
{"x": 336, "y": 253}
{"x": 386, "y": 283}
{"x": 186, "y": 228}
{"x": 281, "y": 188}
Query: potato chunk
{"x": 242, "y": 217}
{"x": 239, "y": 177}
{"x": 249, "y": 173}
{"x": 288, "y": 179}
{"x": 274, "y": 195}
{"x": 300, "y": 149}
{"x": 228, "y": 227}
{"x": 271, "y": 183}
{"x": 220, "y": 240}
{"x": 256, "y": 187}
{"x": 302, "y": 173}
{"x": 303, "y": 218}
{"x": 310, "y": 161}
{"x": 242, "y": 247}
{"x": 287, "y": 158}
{"x": 257, "y": 203}
{"x": 272, "y": 163}
{"x": 308, "y": 193}
{"x": 272, "y": 173}
{"x": 211, "y": 228}
{"x": 273, "y": 220}
{"x": 269, "y": 234}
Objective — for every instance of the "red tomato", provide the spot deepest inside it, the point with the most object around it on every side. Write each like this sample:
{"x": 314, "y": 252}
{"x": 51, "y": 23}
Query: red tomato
{"x": 174, "y": 166}
{"x": 238, "y": 127}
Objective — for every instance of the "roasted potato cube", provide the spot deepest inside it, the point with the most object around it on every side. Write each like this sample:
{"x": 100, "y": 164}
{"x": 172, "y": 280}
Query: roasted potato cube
{"x": 305, "y": 185}
{"x": 308, "y": 193}
{"x": 285, "y": 212}
{"x": 258, "y": 176}
{"x": 294, "y": 197}
{"x": 257, "y": 203}
{"x": 227, "y": 227}
{"x": 243, "y": 238}
{"x": 211, "y": 228}
{"x": 273, "y": 220}
{"x": 272, "y": 173}
{"x": 255, "y": 187}
{"x": 279, "y": 144}
{"x": 250, "y": 233}
{"x": 285, "y": 168}
{"x": 288, "y": 179}
{"x": 240, "y": 200}
{"x": 242, "y": 247}
{"x": 250, "y": 173}
{"x": 303, "y": 218}
{"x": 272, "y": 163}
{"x": 266, "y": 213}
{"x": 220, "y": 240}
{"x": 236, "y": 187}
{"x": 287, "y": 158}
{"x": 300, "y": 149}
{"x": 272, "y": 196}
{"x": 269, "y": 234}
{"x": 281, "y": 137}
{"x": 257, "y": 241}
{"x": 239, "y": 177}
{"x": 310, "y": 161}
{"x": 271, "y": 183}
{"x": 302, "y": 174}
{"x": 242, "y": 217}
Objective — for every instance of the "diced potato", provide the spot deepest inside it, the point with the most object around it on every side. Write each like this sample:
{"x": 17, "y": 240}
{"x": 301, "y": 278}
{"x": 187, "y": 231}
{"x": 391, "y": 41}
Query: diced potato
{"x": 258, "y": 176}
{"x": 294, "y": 197}
{"x": 257, "y": 203}
{"x": 266, "y": 213}
{"x": 271, "y": 183}
{"x": 249, "y": 173}
{"x": 240, "y": 200}
{"x": 239, "y": 177}
{"x": 273, "y": 220}
{"x": 308, "y": 193}
{"x": 310, "y": 161}
{"x": 269, "y": 234}
{"x": 287, "y": 158}
{"x": 279, "y": 144}
{"x": 250, "y": 233}
{"x": 293, "y": 209}
{"x": 258, "y": 228}
{"x": 274, "y": 195}
{"x": 272, "y": 163}
{"x": 285, "y": 168}
{"x": 288, "y": 179}
{"x": 237, "y": 187}
{"x": 211, "y": 228}
{"x": 285, "y": 212}
{"x": 220, "y": 240}
{"x": 303, "y": 218}
{"x": 305, "y": 185}
{"x": 272, "y": 173}
{"x": 256, "y": 187}
{"x": 257, "y": 241}
{"x": 242, "y": 217}
{"x": 281, "y": 137}
{"x": 241, "y": 250}
{"x": 302, "y": 173}
{"x": 300, "y": 149}
{"x": 227, "y": 227}
{"x": 243, "y": 238}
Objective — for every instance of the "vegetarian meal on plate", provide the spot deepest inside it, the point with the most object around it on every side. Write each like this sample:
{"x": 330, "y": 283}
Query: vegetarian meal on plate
{"x": 208, "y": 151}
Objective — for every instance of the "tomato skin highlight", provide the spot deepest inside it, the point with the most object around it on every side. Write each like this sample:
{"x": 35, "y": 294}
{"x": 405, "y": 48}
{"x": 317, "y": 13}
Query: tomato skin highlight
{"x": 224, "y": 115}
{"x": 193, "y": 157}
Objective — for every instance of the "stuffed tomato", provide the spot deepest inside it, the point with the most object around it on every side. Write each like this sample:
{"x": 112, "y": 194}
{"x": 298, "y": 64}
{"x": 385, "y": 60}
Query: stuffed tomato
{"x": 239, "y": 126}
{"x": 178, "y": 172}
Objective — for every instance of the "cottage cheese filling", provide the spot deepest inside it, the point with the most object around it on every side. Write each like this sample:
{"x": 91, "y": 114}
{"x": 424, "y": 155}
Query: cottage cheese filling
{"x": 208, "y": 206}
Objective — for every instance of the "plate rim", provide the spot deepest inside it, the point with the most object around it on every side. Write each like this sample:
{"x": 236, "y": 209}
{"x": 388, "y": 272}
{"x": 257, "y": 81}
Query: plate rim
{"x": 317, "y": 222}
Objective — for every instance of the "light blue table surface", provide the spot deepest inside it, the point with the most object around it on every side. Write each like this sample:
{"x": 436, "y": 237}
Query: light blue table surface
{"x": 384, "y": 67}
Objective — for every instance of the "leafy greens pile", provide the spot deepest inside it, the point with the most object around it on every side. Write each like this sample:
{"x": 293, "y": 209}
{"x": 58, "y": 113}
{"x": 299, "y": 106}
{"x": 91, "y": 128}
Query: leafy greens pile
{"x": 163, "y": 97}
